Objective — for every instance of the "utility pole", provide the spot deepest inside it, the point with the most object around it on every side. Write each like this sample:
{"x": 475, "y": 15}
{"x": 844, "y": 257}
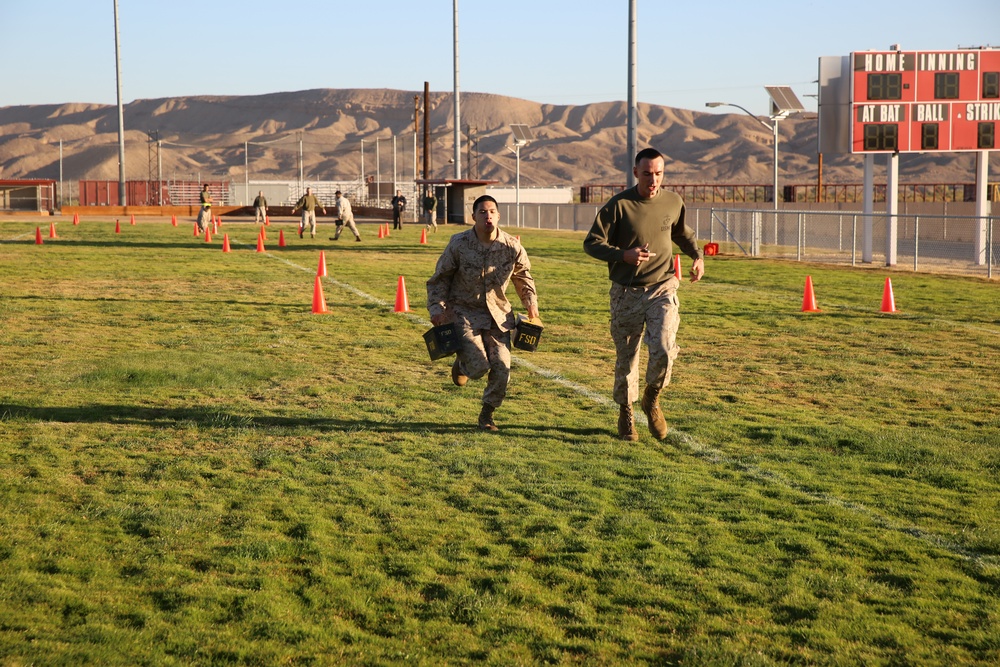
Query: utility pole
{"x": 427, "y": 130}
{"x": 633, "y": 108}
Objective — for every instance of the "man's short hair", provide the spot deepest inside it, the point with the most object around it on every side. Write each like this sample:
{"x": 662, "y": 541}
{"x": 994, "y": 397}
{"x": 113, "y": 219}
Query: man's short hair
{"x": 648, "y": 154}
{"x": 475, "y": 204}
{"x": 338, "y": 193}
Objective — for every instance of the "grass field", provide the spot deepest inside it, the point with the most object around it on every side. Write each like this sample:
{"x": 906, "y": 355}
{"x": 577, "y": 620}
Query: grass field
{"x": 198, "y": 470}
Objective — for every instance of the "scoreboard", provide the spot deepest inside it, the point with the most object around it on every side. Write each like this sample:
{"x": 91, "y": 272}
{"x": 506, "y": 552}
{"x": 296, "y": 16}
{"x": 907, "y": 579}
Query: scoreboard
{"x": 924, "y": 101}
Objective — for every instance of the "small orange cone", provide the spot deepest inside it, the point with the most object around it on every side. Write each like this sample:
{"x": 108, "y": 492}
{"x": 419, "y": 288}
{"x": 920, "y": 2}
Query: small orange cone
{"x": 38, "y": 236}
{"x": 173, "y": 220}
{"x": 387, "y": 230}
{"x": 260, "y": 243}
{"x": 381, "y": 231}
{"x": 118, "y": 227}
{"x": 218, "y": 221}
{"x": 321, "y": 269}
{"x": 267, "y": 220}
{"x": 423, "y": 235}
{"x": 196, "y": 229}
{"x": 263, "y": 233}
{"x": 677, "y": 267}
{"x": 215, "y": 226}
{"x": 208, "y": 235}
{"x": 402, "y": 303}
{"x": 52, "y": 230}
{"x": 76, "y": 218}
{"x": 888, "y": 302}
{"x": 132, "y": 221}
{"x": 809, "y": 298}
{"x": 225, "y": 243}
{"x": 281, "y": 238}
{"x": 319, "y": 303}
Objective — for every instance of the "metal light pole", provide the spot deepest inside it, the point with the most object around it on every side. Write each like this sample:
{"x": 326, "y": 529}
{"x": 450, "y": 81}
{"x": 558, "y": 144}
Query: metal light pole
{"x": 458, "y": 115}
{"x": 773, "y": 126}
{"x": 122, "y": 201}
{"x": 633, "y": 108}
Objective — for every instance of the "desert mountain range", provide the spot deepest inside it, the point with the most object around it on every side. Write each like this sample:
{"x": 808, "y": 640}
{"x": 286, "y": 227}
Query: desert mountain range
{"x": 204, "y": 136}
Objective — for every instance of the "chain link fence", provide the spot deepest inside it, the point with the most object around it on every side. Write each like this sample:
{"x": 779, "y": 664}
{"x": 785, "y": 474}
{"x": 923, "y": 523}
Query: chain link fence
{"x": 966, "y": 245}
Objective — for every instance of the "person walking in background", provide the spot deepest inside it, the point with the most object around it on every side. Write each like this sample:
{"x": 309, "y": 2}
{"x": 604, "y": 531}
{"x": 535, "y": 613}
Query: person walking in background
{"x": 469, "y": 288}
{"x": 634, "y": 233}
{"x": 430, "y": 204}
{"x": 260, "y": 208}
{"x": 345, "y": 216}
{"x": 205, "y": 212}
{"x": 308, "y": 203}
{"x": 398, "y": 206}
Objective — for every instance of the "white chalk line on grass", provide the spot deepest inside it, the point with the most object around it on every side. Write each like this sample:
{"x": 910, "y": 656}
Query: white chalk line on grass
{"x": 705, "y": 452}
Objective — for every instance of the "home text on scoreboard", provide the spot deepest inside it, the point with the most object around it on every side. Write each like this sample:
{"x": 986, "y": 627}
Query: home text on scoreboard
{"x": 916, "y": 101}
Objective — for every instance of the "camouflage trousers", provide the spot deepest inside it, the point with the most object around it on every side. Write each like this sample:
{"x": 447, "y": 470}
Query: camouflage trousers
{"x": 656, "y": 309}
{"x": 485, "y": 352}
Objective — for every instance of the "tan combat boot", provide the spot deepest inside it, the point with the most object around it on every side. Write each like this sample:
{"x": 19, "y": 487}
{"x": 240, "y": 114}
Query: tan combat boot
{"x": 651, "y": 406}
{"x": 626, "y": 423}
{"x": 486, "y": 418}
{"x": 457, "y": 377}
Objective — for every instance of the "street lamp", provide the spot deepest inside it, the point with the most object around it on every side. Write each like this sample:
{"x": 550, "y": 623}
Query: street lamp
{"x": 522, "y": 135}
{"x": 773, "y": 126}
{"x": 783, "y": 103}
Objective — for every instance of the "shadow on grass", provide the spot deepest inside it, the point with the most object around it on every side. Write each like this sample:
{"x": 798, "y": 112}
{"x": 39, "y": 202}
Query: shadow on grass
{"x": 209, "y": 418}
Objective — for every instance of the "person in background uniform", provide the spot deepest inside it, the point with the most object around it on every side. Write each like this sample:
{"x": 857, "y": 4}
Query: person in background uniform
{"x": 345, "y": 216}
{"x": 205, "y": 213}
{"x": 308, "y": 203}
{"x": 260, "y": 208}
{"x": 430, "y": 203}
{"x": 398, "y": 206}
{"x": 634, "y": 233}
{"x": 469, "y": 288}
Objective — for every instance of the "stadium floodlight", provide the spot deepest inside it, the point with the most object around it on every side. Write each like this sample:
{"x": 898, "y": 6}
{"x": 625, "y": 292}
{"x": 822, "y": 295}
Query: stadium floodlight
{"x": 522, "y": 136}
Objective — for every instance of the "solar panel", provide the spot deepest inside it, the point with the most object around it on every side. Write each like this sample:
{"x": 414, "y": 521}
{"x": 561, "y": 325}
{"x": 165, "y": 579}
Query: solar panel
{"x": 522, "y": 134}
{"x": 783, "y": 100}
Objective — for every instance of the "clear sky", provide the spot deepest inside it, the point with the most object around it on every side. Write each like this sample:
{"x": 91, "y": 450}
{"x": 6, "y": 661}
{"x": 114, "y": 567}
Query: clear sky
{"x": 548, "y": 51}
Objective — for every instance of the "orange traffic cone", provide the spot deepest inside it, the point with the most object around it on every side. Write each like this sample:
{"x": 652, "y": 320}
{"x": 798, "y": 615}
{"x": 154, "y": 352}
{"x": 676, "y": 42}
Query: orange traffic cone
{"x": 809, "y": 298}
{"x": 888, "y": 302}
{"x": 319, "y": 303}
{"x": 132, "y": 221}
{"x": 381, "y": 231}
{"x": 118, "y": 227}
{"x": 218, "y": 221}
{"x": 215, "y": 226}
{"x": 267, "y": 220}
{"x": 423, "y": 235}
{"x": 321, "y": 269}
{"x": 38, "y": 236}
{"x": 76, "y": 218}
{"x": 402, "y": 303}
{"x": 387, "y": 230}
{"x": 208, "y": 235}
{"x": 281, "y": 238}
{"x": 196, "y": 229}
{"x": 263, "y": 233}
{"x": 260, "y": 243}
{"x": 173, "y": 220}
{"x": 225, "y": 243}
{"x": 52, "y": 230}
{"x": 677, "y": 266}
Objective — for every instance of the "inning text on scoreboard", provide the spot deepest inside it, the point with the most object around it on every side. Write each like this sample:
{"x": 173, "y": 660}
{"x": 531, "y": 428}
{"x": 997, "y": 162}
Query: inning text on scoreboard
{"x": 916, "y": 101}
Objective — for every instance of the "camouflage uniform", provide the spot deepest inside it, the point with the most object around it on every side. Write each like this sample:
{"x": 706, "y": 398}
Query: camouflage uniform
{"x": 345, "y": 216}
{"x": 308, "y": 203}
{"x": 470, "y": 282}
{"x": 645, "y": 295}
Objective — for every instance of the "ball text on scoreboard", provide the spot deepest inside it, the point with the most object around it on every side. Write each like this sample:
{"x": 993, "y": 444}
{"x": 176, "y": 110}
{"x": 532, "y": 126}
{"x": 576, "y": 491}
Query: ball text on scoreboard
{"x": 915, "y": 101}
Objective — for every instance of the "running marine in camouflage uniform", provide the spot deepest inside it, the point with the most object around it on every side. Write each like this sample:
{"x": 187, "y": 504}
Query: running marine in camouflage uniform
{"x": 469, "y": 287}
{"x": 634, "y": 233}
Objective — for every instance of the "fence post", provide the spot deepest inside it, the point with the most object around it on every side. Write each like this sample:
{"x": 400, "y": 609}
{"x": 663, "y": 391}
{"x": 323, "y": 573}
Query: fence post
{"x": 916, "y": 240}
{"x": 798, "y": 253}
{"x": 854, "y": 241}
{"x": 756, "y": 225}
{"x": 557, "y": 216}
